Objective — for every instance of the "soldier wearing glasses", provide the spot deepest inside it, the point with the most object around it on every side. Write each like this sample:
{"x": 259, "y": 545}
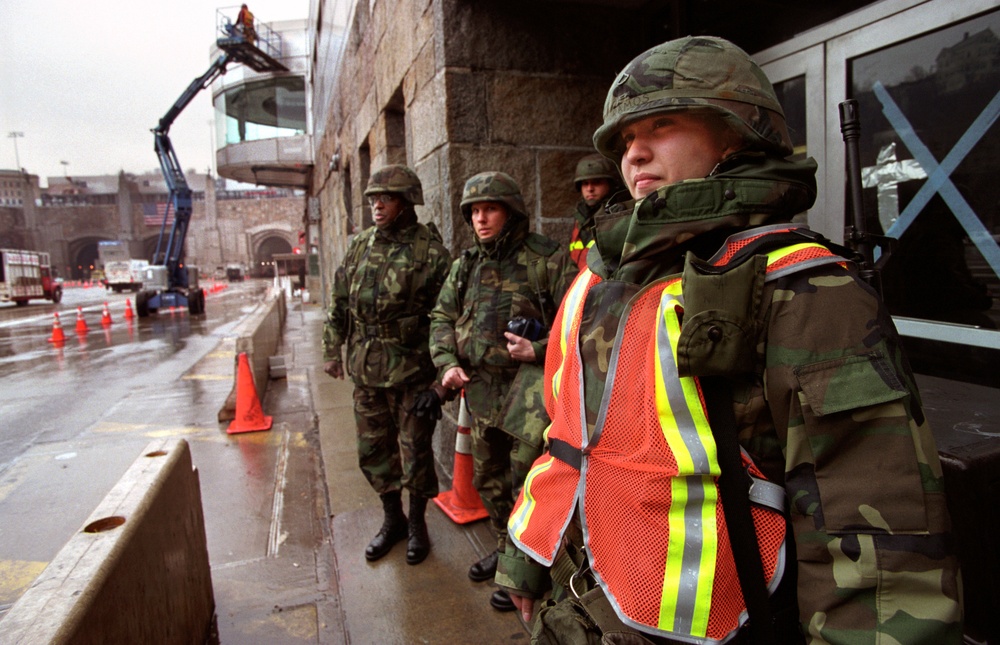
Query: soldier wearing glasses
{"x": 382, "y": 296}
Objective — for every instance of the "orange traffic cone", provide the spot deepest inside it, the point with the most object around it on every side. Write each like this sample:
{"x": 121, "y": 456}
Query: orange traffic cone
{"x": 105, "y": 316}
{"x": 81, "y": 324}
{"x": 462, "y": 503}
{"x": 58, "y": 336}
{"x": 128, "y": 310}
{"x": 249, "y": 415}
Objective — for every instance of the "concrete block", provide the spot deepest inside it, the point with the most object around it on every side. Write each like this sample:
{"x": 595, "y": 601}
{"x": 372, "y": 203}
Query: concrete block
{"x": 259, "y": 337}
{"x": 136, "y": 572}
{"x": 277, "y": 367}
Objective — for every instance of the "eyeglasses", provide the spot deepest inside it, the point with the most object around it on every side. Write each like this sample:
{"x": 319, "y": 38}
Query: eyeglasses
{"x": 382, "y": 198}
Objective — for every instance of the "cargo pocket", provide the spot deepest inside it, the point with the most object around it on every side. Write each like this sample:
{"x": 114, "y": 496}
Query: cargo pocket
{"x": 859, "y": 433}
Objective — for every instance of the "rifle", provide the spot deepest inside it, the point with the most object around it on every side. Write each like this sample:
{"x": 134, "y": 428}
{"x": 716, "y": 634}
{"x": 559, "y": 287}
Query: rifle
{"x": 856, "y": 234}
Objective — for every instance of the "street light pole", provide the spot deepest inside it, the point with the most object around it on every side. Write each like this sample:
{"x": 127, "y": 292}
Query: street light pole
{"x": 15, "y": 136}
{"x": 65, "y": 165}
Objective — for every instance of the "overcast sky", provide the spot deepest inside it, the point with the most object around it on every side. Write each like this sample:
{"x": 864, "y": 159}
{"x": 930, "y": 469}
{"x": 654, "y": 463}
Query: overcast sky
{"x": 86, "y": 81}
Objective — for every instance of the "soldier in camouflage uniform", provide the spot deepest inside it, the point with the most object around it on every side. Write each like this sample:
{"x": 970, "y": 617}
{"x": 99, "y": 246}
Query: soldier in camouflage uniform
{"x": 823, "y": 399}
{"x": 597, "y": 179}
{"x": 510, "y": 274}
{"x": 382, "y": 296}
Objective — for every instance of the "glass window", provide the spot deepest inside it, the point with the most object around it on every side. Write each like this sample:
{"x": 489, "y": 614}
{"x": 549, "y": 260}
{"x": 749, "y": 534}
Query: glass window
{"x": 792, "y": 96}
{"x": 267, "y": 109}
{"x": 928, "y": 153}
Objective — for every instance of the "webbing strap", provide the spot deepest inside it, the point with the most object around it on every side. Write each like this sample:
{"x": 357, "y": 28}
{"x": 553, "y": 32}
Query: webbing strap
{"x": 565, "y": 452}
{"x": 736, "y": 508}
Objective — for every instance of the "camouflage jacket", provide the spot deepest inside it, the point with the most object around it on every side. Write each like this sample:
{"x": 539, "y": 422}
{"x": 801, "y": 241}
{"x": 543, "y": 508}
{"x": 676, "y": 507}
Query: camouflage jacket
{"x": 523, "y": 274}
{"x": 829, "y": 409}
{"x": 382, "y": 295}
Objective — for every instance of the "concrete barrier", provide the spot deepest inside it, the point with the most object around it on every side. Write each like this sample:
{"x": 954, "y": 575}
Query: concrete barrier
{"x": 260, "y": 337}
{"x": 136, "y": 572}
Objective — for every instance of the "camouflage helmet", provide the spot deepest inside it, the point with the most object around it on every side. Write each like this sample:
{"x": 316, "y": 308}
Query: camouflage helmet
{"x": 596, "y": 166}
{"x": 696, "y": 72}
{"x": 397, "y": 179}
{"x": 492, "y": 186}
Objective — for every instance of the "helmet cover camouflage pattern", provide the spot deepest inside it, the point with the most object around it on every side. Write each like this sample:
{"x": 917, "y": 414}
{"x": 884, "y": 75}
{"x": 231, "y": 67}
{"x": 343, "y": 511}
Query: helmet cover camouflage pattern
{"x": 696, "y": 72}
{"x": 596, "y": 166}
{"x": 396, "y": 179}
{"x": 492, "y": 186}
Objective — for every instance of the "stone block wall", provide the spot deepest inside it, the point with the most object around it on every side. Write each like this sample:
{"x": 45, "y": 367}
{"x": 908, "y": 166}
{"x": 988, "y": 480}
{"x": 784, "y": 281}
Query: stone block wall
{"x": 473, "y": 85}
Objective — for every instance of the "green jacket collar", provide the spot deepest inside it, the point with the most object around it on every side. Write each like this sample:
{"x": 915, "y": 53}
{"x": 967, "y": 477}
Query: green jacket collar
{"x": 645, "y": 239}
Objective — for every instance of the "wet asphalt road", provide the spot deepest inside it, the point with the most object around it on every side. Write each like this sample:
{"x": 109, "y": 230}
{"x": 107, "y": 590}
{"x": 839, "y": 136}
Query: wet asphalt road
{"x": 74, "y": 417}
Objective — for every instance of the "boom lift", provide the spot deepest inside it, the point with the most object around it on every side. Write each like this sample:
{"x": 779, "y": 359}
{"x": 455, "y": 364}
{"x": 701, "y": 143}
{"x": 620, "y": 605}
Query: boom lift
{"x": 170, "y": 283}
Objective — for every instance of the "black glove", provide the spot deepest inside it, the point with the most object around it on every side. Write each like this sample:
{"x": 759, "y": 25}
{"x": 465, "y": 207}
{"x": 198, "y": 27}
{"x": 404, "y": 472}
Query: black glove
{"x": 427, "y": 405}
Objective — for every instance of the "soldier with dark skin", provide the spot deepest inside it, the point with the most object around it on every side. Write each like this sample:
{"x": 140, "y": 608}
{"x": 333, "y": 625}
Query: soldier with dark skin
{"x": 511, "y": 274}
{"x": 382, "y": 297}
{"x": 596, "y": 179}
{"x": 705, "y": 310}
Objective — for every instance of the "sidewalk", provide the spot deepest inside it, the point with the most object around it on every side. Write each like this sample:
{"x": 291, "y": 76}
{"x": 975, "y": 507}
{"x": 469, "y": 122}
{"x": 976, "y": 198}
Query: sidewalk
{"x": 330, "y": 593}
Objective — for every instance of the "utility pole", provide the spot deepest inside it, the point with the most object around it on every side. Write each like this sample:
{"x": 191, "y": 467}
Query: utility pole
{"x": 15, "y": 136}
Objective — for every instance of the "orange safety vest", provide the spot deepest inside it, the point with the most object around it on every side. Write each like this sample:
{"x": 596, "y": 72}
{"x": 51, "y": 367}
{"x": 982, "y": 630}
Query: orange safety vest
{"x": 645, "y": 480}
{"x": 577, "y": 248}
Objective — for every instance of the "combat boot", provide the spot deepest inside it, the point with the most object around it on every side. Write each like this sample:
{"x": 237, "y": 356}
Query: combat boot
{"x": 393, "y": 527}
{"x": 419, "y": 543}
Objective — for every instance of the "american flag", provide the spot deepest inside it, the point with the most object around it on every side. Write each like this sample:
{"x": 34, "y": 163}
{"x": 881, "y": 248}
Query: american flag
{"x": 152, "y": 214}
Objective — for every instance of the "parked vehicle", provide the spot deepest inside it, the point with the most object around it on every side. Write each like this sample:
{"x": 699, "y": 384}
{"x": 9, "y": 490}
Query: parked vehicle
{"x": 125, "y": 275}
{"x": 27, "y": 274}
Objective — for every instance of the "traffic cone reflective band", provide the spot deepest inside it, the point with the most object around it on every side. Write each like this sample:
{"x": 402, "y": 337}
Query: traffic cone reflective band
{"x": 81, "y": 324}
{"x": 462, "y": 503}
{"x": 105, "y": 316}
{"x": 249, "y": 415}
{"x": 57, "y": 331}
{"x": 128, "y": 310}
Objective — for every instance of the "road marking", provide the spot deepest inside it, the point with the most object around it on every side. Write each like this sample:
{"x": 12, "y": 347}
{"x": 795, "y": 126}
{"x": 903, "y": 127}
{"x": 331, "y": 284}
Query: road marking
{"x": 16, "y": 576}
{"x": 207, "y": 377}
{"x": 276, "y": 536}
{"x": 112, "y": 426}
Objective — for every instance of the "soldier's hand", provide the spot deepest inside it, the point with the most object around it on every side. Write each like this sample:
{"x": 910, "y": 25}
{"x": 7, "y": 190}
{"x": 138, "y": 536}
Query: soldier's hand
{"x": 427, "y": 406}
{"x": 525, "y": 605}
{"x": 455, "y": 378}
{"x": 520, "y": 348}
{"x": 334, "y": 369}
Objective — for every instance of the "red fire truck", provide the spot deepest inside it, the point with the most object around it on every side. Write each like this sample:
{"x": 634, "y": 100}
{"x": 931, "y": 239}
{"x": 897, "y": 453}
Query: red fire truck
{"x": 25, "y": 275}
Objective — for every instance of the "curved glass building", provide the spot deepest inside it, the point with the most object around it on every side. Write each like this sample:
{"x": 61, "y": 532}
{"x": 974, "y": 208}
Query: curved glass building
{"x": 262, "y": 119}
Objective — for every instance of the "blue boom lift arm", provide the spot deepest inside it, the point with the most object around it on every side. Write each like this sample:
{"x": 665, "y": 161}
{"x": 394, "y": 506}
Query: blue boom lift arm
{"x": 170, "y": 248}
{"x": 171, "y": 253}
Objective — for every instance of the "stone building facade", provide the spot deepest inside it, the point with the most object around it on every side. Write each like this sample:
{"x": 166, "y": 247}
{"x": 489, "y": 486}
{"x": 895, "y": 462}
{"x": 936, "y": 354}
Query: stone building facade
{"x": 453, "y": 88}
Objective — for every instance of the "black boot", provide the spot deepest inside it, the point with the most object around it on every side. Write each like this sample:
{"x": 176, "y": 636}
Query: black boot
{"x": 419, "y": 544}
{"x": 500, "y": 600}
{"x": 485, "y": 569}
{"x": 393, "y": 527}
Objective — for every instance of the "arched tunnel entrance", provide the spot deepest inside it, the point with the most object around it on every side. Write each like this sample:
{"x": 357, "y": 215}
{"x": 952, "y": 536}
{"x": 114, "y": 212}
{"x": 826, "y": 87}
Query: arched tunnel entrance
{"x": 263, "y": 260}
{"x": 83, "y": 257}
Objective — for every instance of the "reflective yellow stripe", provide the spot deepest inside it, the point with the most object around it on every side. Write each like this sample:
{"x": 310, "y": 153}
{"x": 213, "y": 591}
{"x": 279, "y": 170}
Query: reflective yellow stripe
{"x": 518, "y": 521}
{"x": 785, "y": 251}
{"x": 576, "y": 245}
{"x": 571, "y": 306}
{"x": 693, "y": 545}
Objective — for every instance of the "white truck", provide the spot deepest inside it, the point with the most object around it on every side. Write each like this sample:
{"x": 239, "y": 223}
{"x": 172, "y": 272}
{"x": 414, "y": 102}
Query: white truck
{"x": 125, "y": 275}
{"x": 25, "y": 275}
{"x": 121, "y": 272}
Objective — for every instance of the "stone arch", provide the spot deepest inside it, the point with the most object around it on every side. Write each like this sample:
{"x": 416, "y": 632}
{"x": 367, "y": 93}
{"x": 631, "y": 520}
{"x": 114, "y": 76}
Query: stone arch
{"x": 264, "y": 242}
{"x": 82, "y": 255}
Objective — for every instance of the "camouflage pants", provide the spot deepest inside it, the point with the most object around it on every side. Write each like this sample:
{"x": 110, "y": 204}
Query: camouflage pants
{"x": 500, "y": 463}
{"x": 394, "y": 447}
